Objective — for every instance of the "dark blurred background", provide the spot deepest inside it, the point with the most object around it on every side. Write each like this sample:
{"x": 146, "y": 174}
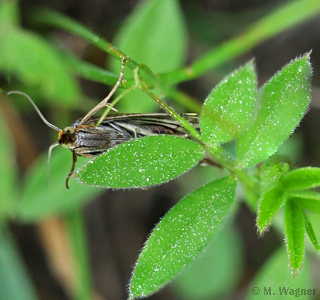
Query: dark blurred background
{"x": 118, "y": 222}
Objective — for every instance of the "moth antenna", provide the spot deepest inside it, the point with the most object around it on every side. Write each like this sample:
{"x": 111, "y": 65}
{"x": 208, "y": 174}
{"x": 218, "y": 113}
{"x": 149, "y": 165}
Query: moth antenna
{"x": 48, "y": 161}
{"x": 105, "y": 100}
{"x": 37, "y": 109}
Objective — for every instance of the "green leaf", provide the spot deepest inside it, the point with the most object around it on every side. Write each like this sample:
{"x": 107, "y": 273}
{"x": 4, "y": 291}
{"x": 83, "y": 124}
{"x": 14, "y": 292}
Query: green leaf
{"x": 36, "y": 63}
{"x": 142, "y": 162}
{"x": 217, "y": 272}
{"x": 294, "y": 234}
{"x": 229, "y": 107}
{"x": 284, "y": 101}
{"x": 307, "y": 199}
{"x": 40, "y": 200}
{"x": 310, "y": 232}
{"x": 271, "y": 173}
{"x": 8, "y": 172}
{"x": 182, "y": 235}
{"x": 301, "y": 179}
{"x": 275, "y": 282}
{"x": 153, "y": 35}
{"x": 15, "y": 282}
{"x": 9, "y": 13}
{"x": 269, "y": 205}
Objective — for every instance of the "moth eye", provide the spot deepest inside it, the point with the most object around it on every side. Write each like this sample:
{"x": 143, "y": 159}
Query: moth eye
{"x": 69, "y": 130}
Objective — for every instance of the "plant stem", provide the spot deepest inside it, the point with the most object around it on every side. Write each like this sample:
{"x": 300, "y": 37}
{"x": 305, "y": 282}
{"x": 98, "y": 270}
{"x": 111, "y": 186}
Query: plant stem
{"x": 55, "y": 19}
{"x": 184, "y": 99}
{"x": 174, "y": 114}
{"x": 89, "y": 71}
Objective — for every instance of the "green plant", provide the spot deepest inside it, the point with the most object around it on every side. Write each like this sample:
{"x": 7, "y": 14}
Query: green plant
{"x": 260, "y": 120}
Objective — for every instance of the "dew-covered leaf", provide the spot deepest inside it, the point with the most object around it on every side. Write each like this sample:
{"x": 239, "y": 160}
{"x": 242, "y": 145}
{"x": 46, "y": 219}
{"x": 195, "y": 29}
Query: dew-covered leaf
{"x": 182, "y": 235}
{"x": 274, "y": 280}
{"x": 269, "y": 205}
{"x": 271, "y": 173}
{"x": 142, "y": 162}
{"x": 303, "y": 178}
{"x": 310, "y": 232}
{"x": 154, "y": 35}
{"x": 284, "y": 101}
{"x": 307, "y": 199}
{"x": 294, "y": 234}
{"x": 229, "y": 107}
{"x": 217, "y": 272}
{"x": 36, "y": 63}
{"x": 40, "y": 200}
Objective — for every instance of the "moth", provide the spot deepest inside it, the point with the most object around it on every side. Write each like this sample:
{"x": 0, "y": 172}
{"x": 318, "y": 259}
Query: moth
{"x": 89, "y": 138}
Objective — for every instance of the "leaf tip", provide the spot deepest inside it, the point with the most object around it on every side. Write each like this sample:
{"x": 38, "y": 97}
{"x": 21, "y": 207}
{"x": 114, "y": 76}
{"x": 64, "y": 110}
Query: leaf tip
{"x": 308, "y": 54}
{"x": 262, "y": 228}
{"x": 295, "y": 271}
{"x": 261, "y": 225}
{"x": 251, "y": 65}
{"x": 251, "y": 62}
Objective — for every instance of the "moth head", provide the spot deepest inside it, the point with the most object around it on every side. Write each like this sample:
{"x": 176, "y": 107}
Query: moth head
{"x": 67, "y": 137}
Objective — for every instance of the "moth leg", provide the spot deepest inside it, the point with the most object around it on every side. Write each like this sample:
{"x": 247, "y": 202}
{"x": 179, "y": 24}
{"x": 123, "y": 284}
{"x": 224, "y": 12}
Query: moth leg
{"x": 105, "y": 100}
{"x": 74, "y": 160}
